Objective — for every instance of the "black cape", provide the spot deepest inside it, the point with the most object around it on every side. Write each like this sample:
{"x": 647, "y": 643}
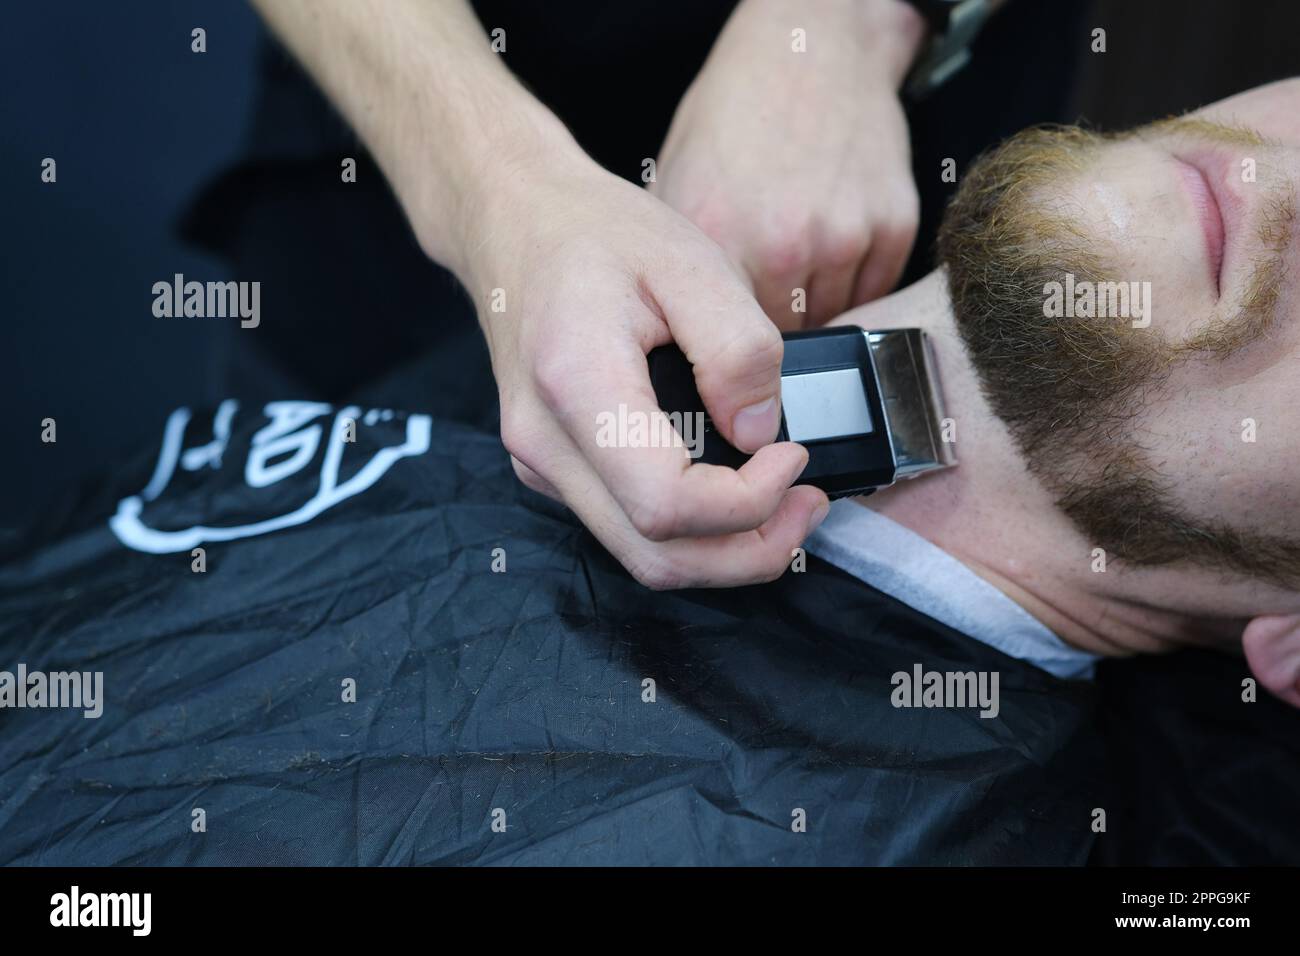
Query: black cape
{"x": 554, "y": 711}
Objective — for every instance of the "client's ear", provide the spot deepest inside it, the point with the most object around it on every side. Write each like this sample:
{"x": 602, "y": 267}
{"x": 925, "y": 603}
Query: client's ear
{"x": 1272, "y": 646}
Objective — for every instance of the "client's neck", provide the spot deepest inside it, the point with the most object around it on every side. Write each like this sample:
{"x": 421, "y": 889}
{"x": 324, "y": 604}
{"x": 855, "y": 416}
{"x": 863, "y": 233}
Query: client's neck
{"x": 992, "y": 515}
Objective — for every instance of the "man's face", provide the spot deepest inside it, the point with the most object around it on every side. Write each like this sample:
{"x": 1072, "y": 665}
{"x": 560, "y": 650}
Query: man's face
{"x": 1168, "y": 426}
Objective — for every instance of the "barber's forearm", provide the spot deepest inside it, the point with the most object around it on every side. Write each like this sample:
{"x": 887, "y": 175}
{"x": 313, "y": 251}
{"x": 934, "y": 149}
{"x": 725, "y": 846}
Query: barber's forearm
{"x": 445, "y": 119}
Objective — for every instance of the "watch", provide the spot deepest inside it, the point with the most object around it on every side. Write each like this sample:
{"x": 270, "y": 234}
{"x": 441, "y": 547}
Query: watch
{"x": 954, "y": 24}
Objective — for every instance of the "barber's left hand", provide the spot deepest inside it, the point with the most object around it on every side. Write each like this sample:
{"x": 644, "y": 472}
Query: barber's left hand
{"x": 798, "y": 163}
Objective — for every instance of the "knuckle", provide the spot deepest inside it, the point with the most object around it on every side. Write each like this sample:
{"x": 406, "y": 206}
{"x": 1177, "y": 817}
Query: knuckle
{"x": 655, "y": 518}
{"x": 844, "y": 245}
{"x": 517, "y": 437}
{"x": 553, "y": 374}
{"x": 783, "y": 251}
{"x": 747, "y": 360}
{"x": 654, "y": 573}
{"x": 760, "y": 347}
{"x": 526, "y": 475}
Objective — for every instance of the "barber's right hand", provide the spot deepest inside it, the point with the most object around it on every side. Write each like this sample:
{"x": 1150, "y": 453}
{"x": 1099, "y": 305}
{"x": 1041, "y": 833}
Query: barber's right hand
{"x": 576, "y": 277}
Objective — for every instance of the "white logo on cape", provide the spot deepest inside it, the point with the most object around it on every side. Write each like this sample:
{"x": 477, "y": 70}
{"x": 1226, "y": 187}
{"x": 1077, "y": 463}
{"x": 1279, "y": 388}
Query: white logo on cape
{"x": 288, "y": 433}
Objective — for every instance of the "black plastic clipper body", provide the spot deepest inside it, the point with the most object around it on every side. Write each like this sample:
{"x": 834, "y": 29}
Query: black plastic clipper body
{"x": 840, "y": 388}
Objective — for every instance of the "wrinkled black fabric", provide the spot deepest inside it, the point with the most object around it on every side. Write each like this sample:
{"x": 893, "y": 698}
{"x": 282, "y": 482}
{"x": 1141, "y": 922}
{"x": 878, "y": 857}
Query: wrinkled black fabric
{"x": 519, "y": 690}
{"x": 1208, "y": 779}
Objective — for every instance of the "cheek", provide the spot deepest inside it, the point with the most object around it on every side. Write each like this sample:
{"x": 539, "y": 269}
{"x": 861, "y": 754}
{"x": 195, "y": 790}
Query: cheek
{"x": 1269, "y": 427}
{"x": 1232, "y": 456}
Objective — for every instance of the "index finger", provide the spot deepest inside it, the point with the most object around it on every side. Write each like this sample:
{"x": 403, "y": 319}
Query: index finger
{"x": 610, "y": 411}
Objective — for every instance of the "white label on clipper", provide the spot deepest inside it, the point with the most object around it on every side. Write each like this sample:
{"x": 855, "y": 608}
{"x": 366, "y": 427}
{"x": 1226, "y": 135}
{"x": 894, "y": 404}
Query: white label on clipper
{"x": 821, "y": 405}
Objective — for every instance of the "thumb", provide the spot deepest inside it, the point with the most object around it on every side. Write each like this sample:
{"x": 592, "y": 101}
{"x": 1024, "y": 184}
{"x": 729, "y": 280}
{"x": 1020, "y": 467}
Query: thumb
{"x": 1272, "y": 647}
{"x": 735, "y": 348}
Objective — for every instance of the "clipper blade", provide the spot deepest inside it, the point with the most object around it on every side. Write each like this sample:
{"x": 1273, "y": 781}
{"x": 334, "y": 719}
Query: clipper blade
{"x": 914, "y": 411}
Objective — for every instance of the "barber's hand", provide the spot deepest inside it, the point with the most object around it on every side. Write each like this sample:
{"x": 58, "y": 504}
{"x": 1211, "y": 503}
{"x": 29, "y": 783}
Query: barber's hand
{"x": 591, "y": 273}
{"x": 798, "y": 163}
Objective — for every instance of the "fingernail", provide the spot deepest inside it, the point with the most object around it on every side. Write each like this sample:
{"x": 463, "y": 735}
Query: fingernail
{"x": 755, "y": 426}
{"x": 818, "y": 517}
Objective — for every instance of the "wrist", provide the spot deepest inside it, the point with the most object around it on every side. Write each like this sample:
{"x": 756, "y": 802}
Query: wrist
{"x": 524, "y": 185}
{"x": 467, "y": 188}
{"x": 884, "y": 36}
{"x": 894, "y": 32}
